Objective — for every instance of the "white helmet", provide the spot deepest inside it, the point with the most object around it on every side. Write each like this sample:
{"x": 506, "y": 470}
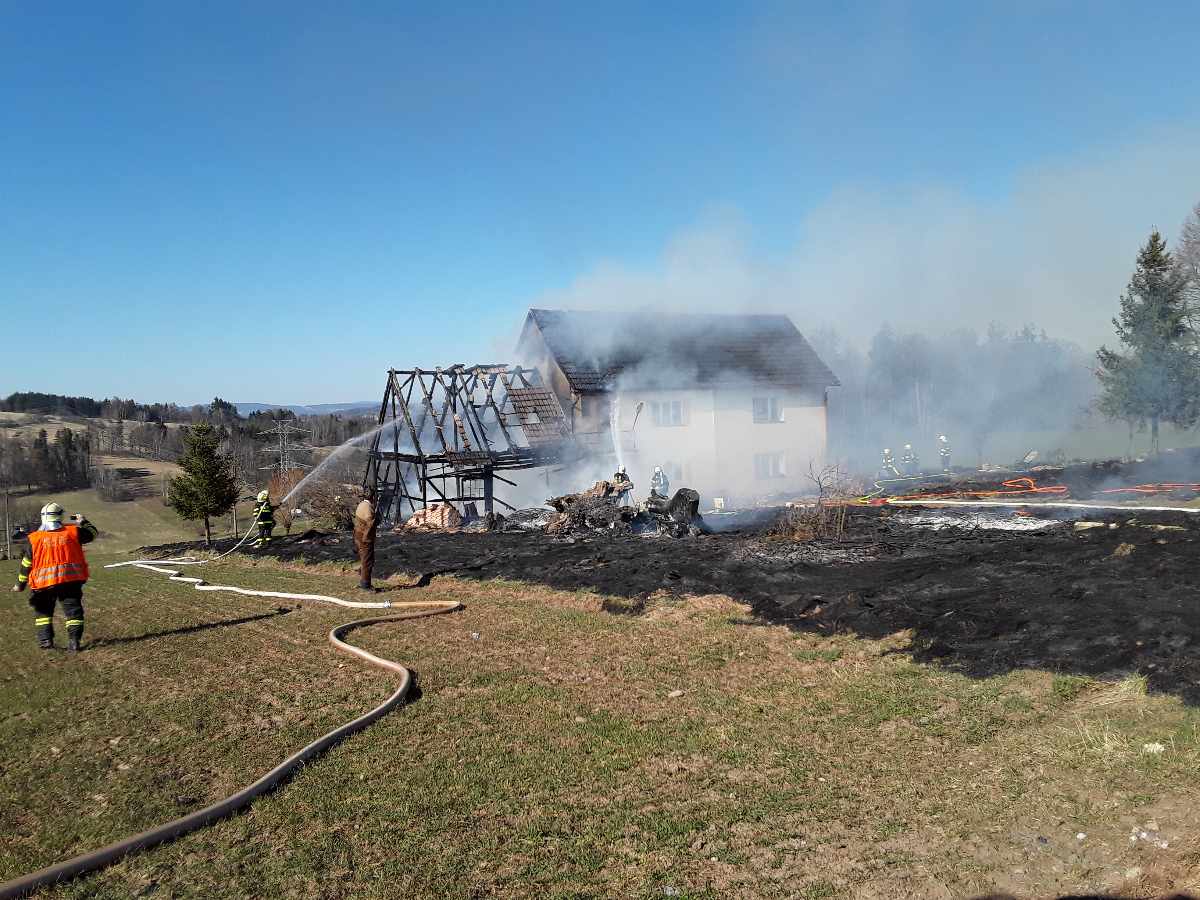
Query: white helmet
{"x": 908, "y": 446}
{"x": 621, "y": 471}
{"x": 887, "y": 451}
{"x": 942, "y": 438}
{"x": 658, "y": 470}
{"x": 52, "y": 515}
{"x": 262, "y": 496}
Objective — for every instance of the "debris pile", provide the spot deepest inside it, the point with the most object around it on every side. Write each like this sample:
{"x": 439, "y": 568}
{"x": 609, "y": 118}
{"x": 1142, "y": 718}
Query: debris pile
{"x": 535, "y": 519}
{"x": 600, "y": 508}
{"x": 436, "y": 517}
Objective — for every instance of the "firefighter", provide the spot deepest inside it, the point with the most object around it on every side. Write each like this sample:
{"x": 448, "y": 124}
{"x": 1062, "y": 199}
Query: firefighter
{"x": 264, "y": 515}
{"x": 944, "y": 452}
{"x": 623, "y": 485}
{"x": 909, "y": 464}
{"x": 55, "y": 570}
{"x": 365, "y": 524}
{"x": 889, "y": 464}
{"x": 659, "y": 484}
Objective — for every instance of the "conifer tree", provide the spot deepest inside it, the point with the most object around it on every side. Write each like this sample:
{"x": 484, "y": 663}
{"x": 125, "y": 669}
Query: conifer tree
{"x": 1157, "y": 377}
{"x": 207, "y": 486}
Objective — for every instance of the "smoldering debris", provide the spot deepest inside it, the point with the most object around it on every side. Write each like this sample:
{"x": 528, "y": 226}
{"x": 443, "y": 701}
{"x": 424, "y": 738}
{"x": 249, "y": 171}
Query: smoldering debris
{"x": 605, "y": 507}
{"x": 535, "y": 519}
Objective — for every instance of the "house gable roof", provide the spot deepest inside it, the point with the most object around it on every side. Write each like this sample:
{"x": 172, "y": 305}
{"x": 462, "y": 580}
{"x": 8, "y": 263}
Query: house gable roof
{"x": 598, "y": 350}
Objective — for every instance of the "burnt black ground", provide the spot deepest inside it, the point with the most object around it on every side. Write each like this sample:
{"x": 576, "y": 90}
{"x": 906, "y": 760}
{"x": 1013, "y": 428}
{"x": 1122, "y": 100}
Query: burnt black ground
{"x": 1102, "y": 602}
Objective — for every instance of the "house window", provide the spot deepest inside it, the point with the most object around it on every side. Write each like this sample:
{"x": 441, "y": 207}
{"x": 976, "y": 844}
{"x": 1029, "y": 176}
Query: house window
{"x": 666, "y": 412}
{"x": 769, "y": 465}
{"x": 768, "y": 409}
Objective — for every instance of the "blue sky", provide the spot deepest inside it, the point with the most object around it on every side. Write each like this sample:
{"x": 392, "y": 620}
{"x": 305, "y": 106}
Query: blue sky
{"x": 275, "y": 202}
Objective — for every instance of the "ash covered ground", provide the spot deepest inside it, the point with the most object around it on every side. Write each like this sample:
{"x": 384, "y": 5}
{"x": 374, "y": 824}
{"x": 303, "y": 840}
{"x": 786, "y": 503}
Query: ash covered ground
{"x": 1115, "y": 596}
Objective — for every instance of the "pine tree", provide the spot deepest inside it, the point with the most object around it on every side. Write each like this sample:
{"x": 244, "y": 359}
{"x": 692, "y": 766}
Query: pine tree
{"x": 207, "y": 486}
{"x": 1157, "y": 378}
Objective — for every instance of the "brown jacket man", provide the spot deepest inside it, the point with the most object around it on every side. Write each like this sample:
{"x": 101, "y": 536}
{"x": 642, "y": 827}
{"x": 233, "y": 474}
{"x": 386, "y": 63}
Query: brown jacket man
{"x": 365, "y": 524}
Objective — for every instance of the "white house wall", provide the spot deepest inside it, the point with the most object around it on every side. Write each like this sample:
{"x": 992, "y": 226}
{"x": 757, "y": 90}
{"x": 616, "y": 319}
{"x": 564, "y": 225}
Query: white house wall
{"x": 714, "y": 449}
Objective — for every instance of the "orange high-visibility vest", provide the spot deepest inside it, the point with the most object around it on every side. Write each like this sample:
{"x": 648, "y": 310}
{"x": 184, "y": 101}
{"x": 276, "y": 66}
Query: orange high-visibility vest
{"x": 57, "y": 558}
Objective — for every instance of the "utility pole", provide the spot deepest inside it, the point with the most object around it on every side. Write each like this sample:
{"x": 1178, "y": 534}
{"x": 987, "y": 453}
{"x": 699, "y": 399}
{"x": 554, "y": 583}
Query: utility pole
{"x": 8, "y": 473}
{"x": 287, "y": 447}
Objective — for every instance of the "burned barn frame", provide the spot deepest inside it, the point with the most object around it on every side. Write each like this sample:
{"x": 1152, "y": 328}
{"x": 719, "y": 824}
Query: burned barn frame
{"x": 454, "y": 429}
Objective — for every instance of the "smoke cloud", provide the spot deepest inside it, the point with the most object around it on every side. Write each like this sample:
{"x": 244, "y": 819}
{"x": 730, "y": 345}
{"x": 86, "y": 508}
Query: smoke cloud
{"x": 1055, "y": 248}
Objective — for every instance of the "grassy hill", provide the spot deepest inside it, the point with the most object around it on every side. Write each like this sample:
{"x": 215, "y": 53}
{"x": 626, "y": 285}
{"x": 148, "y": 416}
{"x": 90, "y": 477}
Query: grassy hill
{"x": 560, "y": 751}
{"x": 141, "y": 521}
{"x": 123, "y": 526}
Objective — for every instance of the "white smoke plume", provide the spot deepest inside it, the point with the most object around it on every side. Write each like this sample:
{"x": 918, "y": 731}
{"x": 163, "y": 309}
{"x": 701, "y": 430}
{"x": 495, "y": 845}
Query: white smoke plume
{"x": 1055, "y": 250}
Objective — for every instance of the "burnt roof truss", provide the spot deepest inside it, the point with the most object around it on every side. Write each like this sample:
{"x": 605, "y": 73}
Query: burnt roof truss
{"x": 444, "y": 434}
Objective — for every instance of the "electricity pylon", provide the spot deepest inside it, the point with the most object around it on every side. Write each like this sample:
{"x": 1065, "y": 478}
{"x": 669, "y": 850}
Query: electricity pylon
{"x": 287, "y": 447}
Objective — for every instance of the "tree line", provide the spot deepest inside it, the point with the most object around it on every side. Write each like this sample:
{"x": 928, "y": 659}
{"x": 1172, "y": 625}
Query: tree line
{"x": 971, "y": 386}
{"x": 61, "y": 463}
{"x": 155, "y": 431}
{"x": 974, "y": 386}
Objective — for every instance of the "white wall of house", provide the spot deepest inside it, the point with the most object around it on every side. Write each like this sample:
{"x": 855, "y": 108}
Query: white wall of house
{"x": 713, "y": 441}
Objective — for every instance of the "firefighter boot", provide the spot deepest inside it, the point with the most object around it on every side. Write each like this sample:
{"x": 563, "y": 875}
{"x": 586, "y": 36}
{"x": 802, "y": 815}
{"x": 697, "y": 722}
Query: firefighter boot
{"x": 74, "y": 634}
{"x": 45, "y": 632}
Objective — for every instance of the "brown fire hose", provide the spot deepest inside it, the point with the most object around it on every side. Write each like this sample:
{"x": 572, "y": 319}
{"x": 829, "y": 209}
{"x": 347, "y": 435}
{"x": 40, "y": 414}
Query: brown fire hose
{"x": 98, "y": 859}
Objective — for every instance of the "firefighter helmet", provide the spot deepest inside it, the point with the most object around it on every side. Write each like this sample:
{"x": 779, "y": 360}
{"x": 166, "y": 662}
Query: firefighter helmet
{"x": 262, "y": 496}
{"x": 52, "y": 512}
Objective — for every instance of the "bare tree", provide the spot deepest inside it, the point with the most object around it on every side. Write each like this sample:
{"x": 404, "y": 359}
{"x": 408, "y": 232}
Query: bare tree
{"x": 1187, "y": 253}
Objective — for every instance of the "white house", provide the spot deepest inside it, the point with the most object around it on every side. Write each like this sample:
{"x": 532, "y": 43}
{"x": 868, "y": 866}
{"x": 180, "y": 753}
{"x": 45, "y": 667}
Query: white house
{"x": 731, "y": 405}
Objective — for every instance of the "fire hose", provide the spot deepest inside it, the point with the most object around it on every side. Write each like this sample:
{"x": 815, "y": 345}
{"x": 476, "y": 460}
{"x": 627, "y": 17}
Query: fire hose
{"x": 1025, "y": 486}
{"x": 169, "y": 831}
{"x": 879, "y": 485}
{"x": 1013, "y": 487}
{"x": 1164, "y": 488}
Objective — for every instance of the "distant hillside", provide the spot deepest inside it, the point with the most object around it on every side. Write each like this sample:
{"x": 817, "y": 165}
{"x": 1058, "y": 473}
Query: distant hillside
{"x": 316, "y": 409}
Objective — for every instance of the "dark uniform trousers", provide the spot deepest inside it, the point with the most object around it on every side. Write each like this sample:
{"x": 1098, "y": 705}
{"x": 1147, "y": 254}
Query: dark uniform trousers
{"x": 70, "y": 595}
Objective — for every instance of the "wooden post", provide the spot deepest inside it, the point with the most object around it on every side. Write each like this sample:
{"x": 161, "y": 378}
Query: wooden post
{"x": 7, "y": 527}
{"x": 487, "y": 490}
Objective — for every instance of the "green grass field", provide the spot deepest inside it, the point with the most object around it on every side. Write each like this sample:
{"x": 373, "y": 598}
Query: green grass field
{"x": 550, "y": 755}
{"x": 127, "y": 525}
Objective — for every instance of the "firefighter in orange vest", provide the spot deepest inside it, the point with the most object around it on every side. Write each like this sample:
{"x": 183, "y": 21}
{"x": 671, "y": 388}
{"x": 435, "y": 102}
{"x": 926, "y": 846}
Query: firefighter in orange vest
{"x": 55, "y": 569}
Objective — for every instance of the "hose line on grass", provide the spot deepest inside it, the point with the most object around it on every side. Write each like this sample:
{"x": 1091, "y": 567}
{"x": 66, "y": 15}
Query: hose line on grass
{"x": 98, "y": 859}
{"x": 158, "y": 565}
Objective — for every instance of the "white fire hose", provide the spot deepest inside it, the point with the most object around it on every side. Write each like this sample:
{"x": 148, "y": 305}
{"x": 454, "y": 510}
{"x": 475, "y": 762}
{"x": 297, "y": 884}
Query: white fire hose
{"x": 98, "y": 859}
{"x": 155, "y": 565}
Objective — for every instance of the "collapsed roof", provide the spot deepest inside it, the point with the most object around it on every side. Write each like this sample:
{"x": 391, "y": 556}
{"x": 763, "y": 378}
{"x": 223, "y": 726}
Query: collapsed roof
{"x": 598, "y": 350}
{"x": 445, "y": 433}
